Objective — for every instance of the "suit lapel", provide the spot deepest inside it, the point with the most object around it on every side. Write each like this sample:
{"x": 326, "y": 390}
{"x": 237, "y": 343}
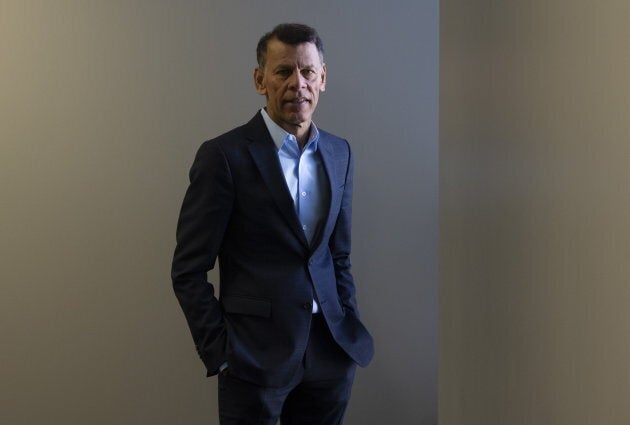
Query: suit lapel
{"x": 335, "y": 166}
{"x": 265, "y": 155}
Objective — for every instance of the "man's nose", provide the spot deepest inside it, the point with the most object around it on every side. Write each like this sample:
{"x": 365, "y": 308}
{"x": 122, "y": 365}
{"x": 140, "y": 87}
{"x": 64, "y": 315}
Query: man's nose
{"x": 297, "y": 80}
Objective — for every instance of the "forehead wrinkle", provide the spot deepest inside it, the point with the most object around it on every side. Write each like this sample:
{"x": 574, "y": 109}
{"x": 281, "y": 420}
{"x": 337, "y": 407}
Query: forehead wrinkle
{"x": 290, "y": 55}
{"x": 287, "y": 65}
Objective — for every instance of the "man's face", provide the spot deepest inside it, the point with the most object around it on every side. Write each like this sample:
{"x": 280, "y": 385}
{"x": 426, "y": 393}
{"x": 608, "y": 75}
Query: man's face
{"x": 292, "y": 78}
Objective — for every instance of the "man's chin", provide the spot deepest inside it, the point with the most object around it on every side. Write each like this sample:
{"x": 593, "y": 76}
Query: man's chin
{"x": 298, "y": 120}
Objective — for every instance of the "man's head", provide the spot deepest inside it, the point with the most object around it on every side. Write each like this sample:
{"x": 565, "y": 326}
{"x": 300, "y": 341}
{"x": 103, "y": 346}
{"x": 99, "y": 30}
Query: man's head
{"x": 291, "y": 73}
{"x": 292, "y": 34}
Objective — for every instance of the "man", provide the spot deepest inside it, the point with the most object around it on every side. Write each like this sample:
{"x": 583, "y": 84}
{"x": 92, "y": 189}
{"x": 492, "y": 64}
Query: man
{"x": 272, "y": 199}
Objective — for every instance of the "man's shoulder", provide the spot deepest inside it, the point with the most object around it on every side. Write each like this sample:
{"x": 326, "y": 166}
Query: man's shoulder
{"x": 227, "y": 139}
{"x": 234, "y": 139}
{"x": 325, "y": 135}
{"x": 333, "y": 142}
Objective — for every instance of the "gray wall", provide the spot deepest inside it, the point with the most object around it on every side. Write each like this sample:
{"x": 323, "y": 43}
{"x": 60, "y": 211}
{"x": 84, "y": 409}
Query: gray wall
{"x": 534, "y": 212}
{"x": 103, "y": 106}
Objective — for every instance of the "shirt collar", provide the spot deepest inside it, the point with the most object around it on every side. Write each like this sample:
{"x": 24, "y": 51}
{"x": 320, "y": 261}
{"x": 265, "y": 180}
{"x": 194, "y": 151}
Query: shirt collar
{"x": 279, "y": 134}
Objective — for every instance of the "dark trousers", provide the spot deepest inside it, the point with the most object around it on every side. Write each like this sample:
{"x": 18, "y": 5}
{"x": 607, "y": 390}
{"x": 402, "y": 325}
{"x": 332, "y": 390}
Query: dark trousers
{"x": 318, "y": 395}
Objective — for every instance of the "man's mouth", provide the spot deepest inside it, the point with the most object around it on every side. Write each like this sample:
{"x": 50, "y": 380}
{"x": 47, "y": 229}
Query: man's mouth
{"x": 298, "y": 100}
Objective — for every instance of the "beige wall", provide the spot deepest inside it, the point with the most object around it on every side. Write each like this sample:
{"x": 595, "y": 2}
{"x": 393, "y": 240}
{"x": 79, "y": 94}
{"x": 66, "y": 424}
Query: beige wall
{"x": 535, "y": 212}
{"x": 102, "y": 107}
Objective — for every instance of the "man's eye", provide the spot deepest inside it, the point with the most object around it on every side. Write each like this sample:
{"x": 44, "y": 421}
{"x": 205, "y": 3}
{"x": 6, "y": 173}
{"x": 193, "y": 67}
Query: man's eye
{"x": 284, "y": 72}
{"x": 309, "y": 74}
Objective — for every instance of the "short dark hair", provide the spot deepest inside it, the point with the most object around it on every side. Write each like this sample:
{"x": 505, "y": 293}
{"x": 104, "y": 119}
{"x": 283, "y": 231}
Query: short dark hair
{"x": 292, "y": 34}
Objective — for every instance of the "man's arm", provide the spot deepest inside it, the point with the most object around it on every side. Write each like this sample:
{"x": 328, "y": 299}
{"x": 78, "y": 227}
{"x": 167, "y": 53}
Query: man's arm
{"x": 340, "y": 243}
{"x": 202, "y": 222}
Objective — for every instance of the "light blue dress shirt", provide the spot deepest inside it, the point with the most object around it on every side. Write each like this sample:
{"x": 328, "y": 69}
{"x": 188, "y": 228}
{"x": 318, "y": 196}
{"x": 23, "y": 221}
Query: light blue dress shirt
{"x": 305, "y": 176}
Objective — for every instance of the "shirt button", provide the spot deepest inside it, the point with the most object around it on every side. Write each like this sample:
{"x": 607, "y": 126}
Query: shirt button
{"x": 304, "y": 227}
{"x": 303, "y": 193}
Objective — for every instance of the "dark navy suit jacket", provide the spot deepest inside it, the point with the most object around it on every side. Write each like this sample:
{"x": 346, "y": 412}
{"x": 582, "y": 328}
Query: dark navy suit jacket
{"x": 238, "y": 208}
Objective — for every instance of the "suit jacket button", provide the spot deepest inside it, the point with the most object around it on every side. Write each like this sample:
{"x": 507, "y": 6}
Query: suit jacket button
{"x": 307, "y": 306}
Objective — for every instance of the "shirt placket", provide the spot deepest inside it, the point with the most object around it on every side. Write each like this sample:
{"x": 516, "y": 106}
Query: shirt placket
{"x": 306, "y": 192}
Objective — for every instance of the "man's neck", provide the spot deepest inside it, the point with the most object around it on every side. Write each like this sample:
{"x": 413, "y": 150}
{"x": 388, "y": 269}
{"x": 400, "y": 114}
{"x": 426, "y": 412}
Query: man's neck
{"x": 301, "y": 134}
{"x": 300, "y": 131}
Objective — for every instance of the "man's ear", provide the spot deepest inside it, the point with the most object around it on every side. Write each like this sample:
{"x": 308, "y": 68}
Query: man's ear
{"x": 323, "y": 77}
{"x": 259, "y": 81}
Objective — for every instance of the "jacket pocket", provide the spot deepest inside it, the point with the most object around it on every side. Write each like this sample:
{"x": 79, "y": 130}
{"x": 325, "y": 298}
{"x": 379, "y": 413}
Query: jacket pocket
{"x": 260, "y": 307}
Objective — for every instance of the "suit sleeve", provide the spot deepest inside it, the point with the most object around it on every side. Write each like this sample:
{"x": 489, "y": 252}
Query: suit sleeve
{"x": 340, "y": 243}
{"x": 203, "y": 219}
